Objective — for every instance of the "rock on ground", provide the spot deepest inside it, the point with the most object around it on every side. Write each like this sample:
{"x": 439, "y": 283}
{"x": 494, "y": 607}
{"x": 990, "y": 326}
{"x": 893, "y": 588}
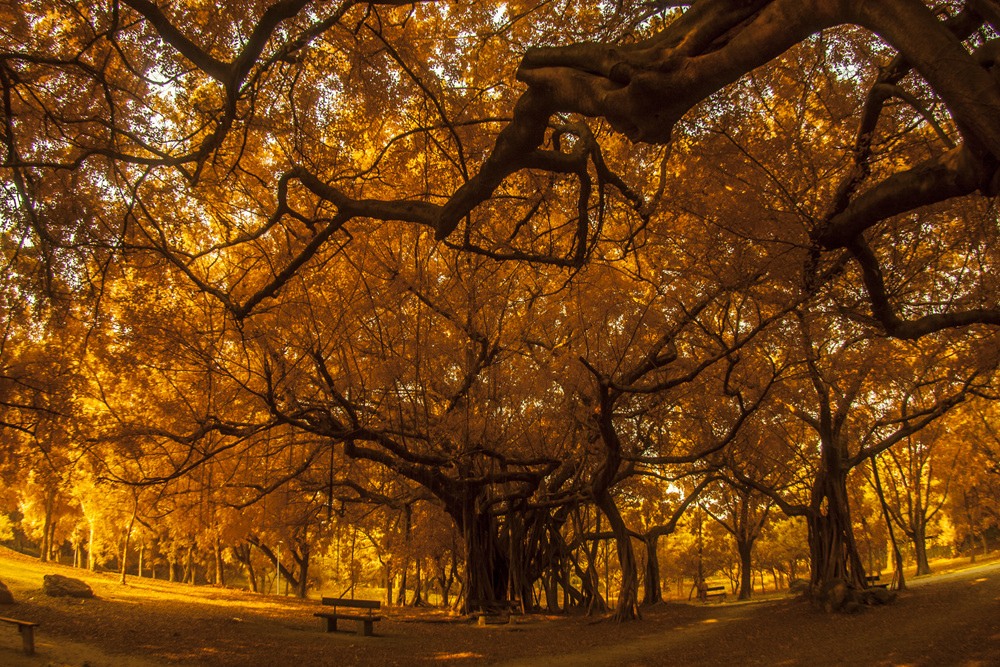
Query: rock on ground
{"x": 57, "y": 585}
{"x": 5, "y": 596}
{"x": 798, "y": 586}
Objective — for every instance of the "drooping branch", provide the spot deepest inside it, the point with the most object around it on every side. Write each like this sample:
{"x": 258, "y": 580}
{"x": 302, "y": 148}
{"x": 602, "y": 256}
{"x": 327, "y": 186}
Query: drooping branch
{"x": 894, "y": 325}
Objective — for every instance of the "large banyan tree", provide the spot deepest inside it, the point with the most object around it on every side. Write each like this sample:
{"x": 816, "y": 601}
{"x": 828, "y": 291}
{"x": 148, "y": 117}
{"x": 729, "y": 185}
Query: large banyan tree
{"x": 370, "y": 224}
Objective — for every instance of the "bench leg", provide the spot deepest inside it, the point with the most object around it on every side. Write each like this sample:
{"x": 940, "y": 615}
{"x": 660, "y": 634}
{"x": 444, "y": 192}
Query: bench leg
{"x": 329, "y": 624}
{"x": 28, "y": 638}
{"x": 365, "y": 628}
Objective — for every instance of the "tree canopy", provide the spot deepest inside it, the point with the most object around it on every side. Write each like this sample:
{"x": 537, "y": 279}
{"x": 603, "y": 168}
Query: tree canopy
{"x": 496, "y": 260}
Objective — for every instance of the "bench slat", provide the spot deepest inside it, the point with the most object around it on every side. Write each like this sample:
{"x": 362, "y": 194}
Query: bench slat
{"x": 345, "y": 602}
{"x": 715, "y": 592}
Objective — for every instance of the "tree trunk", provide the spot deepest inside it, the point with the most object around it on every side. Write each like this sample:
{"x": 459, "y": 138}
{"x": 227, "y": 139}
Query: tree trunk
{"x": 745, "y": 550}
{"x": 45, "y": 549}
{"x": 172, "y": 564}
{"x": 189, "y": 565}
{"x": 486, "y": 564}
{"x": 446, "y": 576}
{"x": 443, "y": 586}
{"x": 55, "y": 550}
{"x": 652, "y": 592}
{"x": 154, "y": 552}
{"x": 461, "y": 599}
{"x": 900, "y": 574}
{"x": 401, "y": 595}
{"x": 627, "y": 608}
{"x": 251, "y": 574}
{"x": 239, "y": 552}
{"x": 302, "y": 559}
{"x": 571, "y": 595}
{"x": 446, "y": 591}
{"x": 833, "y": 554}
{"x": 91, "y": 561}
{"x": 591, "y": 580}
{"x": 418, "y": 588}
{"x": 628, "y": 597}
{"x": 220, "y": 575}
{"x": 245, "y": 557}
{"x": 407, "y": 525}
{"x": 897, "y": 557}
{"x": 589, "y": 595}
{"x": 919, "y": 536}
{"x": 128, "y": 536}
{"x": 832, "y": 549}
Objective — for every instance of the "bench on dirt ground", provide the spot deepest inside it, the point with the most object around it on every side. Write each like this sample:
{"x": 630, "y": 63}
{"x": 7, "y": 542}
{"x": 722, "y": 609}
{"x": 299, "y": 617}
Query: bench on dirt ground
{"x": 715, "y": 592}
{"x": 27, "y": 630}
{"x": 872, "y": 579}
{"x": 490, "y": 609}
{"x": 365, "y": 621}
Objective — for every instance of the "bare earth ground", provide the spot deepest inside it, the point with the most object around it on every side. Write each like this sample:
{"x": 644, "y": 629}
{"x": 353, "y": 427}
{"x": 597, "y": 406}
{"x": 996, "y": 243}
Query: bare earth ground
{"x": 947, "y": 619}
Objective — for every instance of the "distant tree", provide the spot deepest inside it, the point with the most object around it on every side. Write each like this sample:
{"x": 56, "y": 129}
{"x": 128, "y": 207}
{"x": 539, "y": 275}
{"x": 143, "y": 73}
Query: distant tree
{"x": 852, "y": 409}
{"x": 743, "y": 512}
{"x": 974, "y": 505}
{"x": 918, "y": 475}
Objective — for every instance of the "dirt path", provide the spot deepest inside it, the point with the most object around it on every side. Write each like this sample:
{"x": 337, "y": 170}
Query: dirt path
{"x": 675, "y": 642}
{"x": 947, "y": 619}
{"x": 951, "y": 619}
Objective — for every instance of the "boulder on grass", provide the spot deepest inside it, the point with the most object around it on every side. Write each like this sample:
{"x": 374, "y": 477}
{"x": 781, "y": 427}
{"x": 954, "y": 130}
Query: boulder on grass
{"x": 5, "y": 596}
{"x": 57, "y": 585}
{"x": 880, "y": 596}
{"x": 798, "y": 586}
{"x": 831, "y": 595}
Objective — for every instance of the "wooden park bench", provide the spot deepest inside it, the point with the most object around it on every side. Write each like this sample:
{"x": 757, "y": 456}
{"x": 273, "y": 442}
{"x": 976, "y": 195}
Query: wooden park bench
{"x": 715, "y": 592}
{"x": 365, "y": 621}
{"x": 872, "y": 579}
{"x": 494, "y": 609}
{"x": 27, "y": 630}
